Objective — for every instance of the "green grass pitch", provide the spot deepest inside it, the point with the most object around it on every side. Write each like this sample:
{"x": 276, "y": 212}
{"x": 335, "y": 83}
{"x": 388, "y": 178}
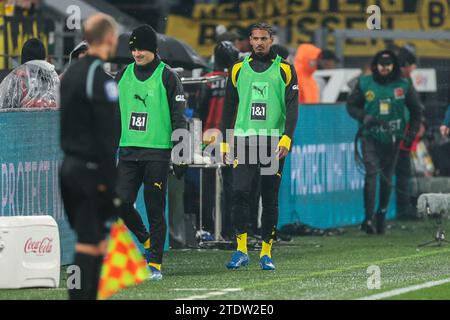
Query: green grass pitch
{"x": 307, "y": 268}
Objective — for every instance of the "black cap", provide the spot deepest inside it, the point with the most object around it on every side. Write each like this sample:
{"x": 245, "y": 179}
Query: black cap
{"x": 144, "y": 38}
{"x": 33, "y": 49}
{"x": 385, "y": 59}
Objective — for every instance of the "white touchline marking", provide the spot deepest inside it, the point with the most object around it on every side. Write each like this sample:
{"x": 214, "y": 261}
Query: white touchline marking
{"x": 196, "y": 289}
{"x": 217, "y": 292}
{"x": 50, "y": 289}
{"x": 396, "y": 292}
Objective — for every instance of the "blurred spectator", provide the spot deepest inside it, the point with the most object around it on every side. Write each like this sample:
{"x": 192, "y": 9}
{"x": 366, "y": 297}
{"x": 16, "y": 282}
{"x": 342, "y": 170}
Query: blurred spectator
{"x": 243, "y": 43}
{"x": 34, "y": 84}
{"x": 281, "y": 51}
{"x": 305, "y": 63}
{"x": 21, "y": 8}
{"x": 228, "y": 36}
{"x": 33, "y": 49}
{"x": 213, "y": 93}
{"x": 222, "y": 34}
{"x": 403, "y": 170}
{"x": 445, "y": 128}
{"x": 407, "y": 61}
{"x": 211, "y": 102}
{"x": 327, "y": 60}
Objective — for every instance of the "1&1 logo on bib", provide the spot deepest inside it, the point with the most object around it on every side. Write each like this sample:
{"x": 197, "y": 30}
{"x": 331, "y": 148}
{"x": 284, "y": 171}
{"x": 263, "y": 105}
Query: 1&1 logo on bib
{"x": 138, "y": 121}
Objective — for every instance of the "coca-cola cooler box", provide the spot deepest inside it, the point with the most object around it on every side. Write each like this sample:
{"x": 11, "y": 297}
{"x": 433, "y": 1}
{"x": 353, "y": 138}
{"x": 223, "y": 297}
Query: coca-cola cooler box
{"x": 29, "y": 252}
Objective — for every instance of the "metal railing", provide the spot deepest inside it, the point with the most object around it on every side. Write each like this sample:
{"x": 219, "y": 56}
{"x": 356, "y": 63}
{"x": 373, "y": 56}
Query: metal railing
{"x": 341, "y": 35}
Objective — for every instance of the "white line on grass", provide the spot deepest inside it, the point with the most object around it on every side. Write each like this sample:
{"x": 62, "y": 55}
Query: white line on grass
{"x": 218, "y": 292}
{"x": 195, "y": 289}
{"x": 396, "y": 292}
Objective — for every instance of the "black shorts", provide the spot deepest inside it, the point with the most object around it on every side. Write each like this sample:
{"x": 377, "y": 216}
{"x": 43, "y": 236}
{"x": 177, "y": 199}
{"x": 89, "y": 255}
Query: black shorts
{"x": 86, "y": 208}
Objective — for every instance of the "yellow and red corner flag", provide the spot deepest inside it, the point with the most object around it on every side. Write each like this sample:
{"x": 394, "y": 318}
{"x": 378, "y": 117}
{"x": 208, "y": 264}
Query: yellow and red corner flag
{"x": 123, "y": 265}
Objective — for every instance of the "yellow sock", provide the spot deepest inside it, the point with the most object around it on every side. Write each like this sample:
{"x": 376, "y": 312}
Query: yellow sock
{"x": 266, "y": 249}
{"x": 155, "y": 265}
{"x": 242, "y": 242}
{"x": 147, "y": 244}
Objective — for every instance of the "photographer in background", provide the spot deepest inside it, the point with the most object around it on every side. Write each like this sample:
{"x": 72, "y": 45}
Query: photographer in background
{"x": 380, "y": 102}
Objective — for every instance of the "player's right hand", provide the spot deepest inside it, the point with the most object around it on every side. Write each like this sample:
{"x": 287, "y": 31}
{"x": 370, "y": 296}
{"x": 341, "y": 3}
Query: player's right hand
{"x": 225, "y": 153}
{"x": 444, "y": 131}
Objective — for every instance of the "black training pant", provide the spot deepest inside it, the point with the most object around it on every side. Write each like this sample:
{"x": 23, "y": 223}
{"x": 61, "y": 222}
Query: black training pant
{"x": 380, "y": 159}
{"x": 243, "y": 183}
{"x": 153, "y": 174}
{"x": 87, "y": 210}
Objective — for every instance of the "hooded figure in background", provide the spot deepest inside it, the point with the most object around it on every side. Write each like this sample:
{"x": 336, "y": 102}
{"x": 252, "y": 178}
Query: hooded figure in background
{"x": 34, "y": 84}
{"x": 212, "y": 95}
{"x": 306, "y": 62}
{"x": 211, "y": 104}
{"x": 33, "y": 49}
{"x": 383, "y": 103}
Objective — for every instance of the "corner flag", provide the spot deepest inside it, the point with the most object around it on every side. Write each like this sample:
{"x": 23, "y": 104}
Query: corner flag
{"x": 123, "y": 265}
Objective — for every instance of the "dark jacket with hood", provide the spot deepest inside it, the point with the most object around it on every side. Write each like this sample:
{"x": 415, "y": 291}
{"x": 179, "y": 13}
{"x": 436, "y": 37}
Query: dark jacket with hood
{"x": 356, "y": 100}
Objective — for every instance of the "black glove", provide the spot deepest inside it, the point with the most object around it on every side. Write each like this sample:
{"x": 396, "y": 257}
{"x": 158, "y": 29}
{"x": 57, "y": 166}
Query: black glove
{"x": 179, "y": 170}
{"x": 370, "y": 121}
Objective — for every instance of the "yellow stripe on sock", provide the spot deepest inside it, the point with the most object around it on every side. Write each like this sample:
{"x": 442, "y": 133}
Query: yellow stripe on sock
{"x": 147, "y": 244}
{"x": 155, "y": 265}
{"x": 266, "y": 249}
{"x": 242, "y": 242}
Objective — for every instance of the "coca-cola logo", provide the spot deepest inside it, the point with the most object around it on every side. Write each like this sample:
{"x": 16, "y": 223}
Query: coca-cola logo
{"x": 38, "y": 247}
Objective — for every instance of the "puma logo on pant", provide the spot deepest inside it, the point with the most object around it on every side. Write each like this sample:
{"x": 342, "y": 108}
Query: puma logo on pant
{"x": 158, "y": 185}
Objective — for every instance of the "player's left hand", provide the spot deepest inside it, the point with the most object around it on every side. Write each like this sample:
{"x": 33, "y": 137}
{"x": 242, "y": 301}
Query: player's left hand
{"x": 283, "y": 147}
{"x": 282, "y": 152}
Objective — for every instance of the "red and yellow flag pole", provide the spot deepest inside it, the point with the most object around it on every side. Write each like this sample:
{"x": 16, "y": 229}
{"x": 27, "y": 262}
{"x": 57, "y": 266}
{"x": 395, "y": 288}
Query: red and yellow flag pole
{"x": 123, "y": 265}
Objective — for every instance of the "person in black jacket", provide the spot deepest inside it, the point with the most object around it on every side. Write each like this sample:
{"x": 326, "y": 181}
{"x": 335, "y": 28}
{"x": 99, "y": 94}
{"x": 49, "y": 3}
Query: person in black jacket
{"x": 211, "y": 104}
{"x": 152, "y": 107}
{"x": 403, "y": 169}
{"x": 89, "y": 140}
{"x": 380, "y": 102}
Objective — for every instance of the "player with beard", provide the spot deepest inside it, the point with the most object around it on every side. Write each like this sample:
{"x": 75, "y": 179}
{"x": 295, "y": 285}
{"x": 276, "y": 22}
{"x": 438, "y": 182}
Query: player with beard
{"x": 261, "y": 105}
{"x": 383, "y": 103}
